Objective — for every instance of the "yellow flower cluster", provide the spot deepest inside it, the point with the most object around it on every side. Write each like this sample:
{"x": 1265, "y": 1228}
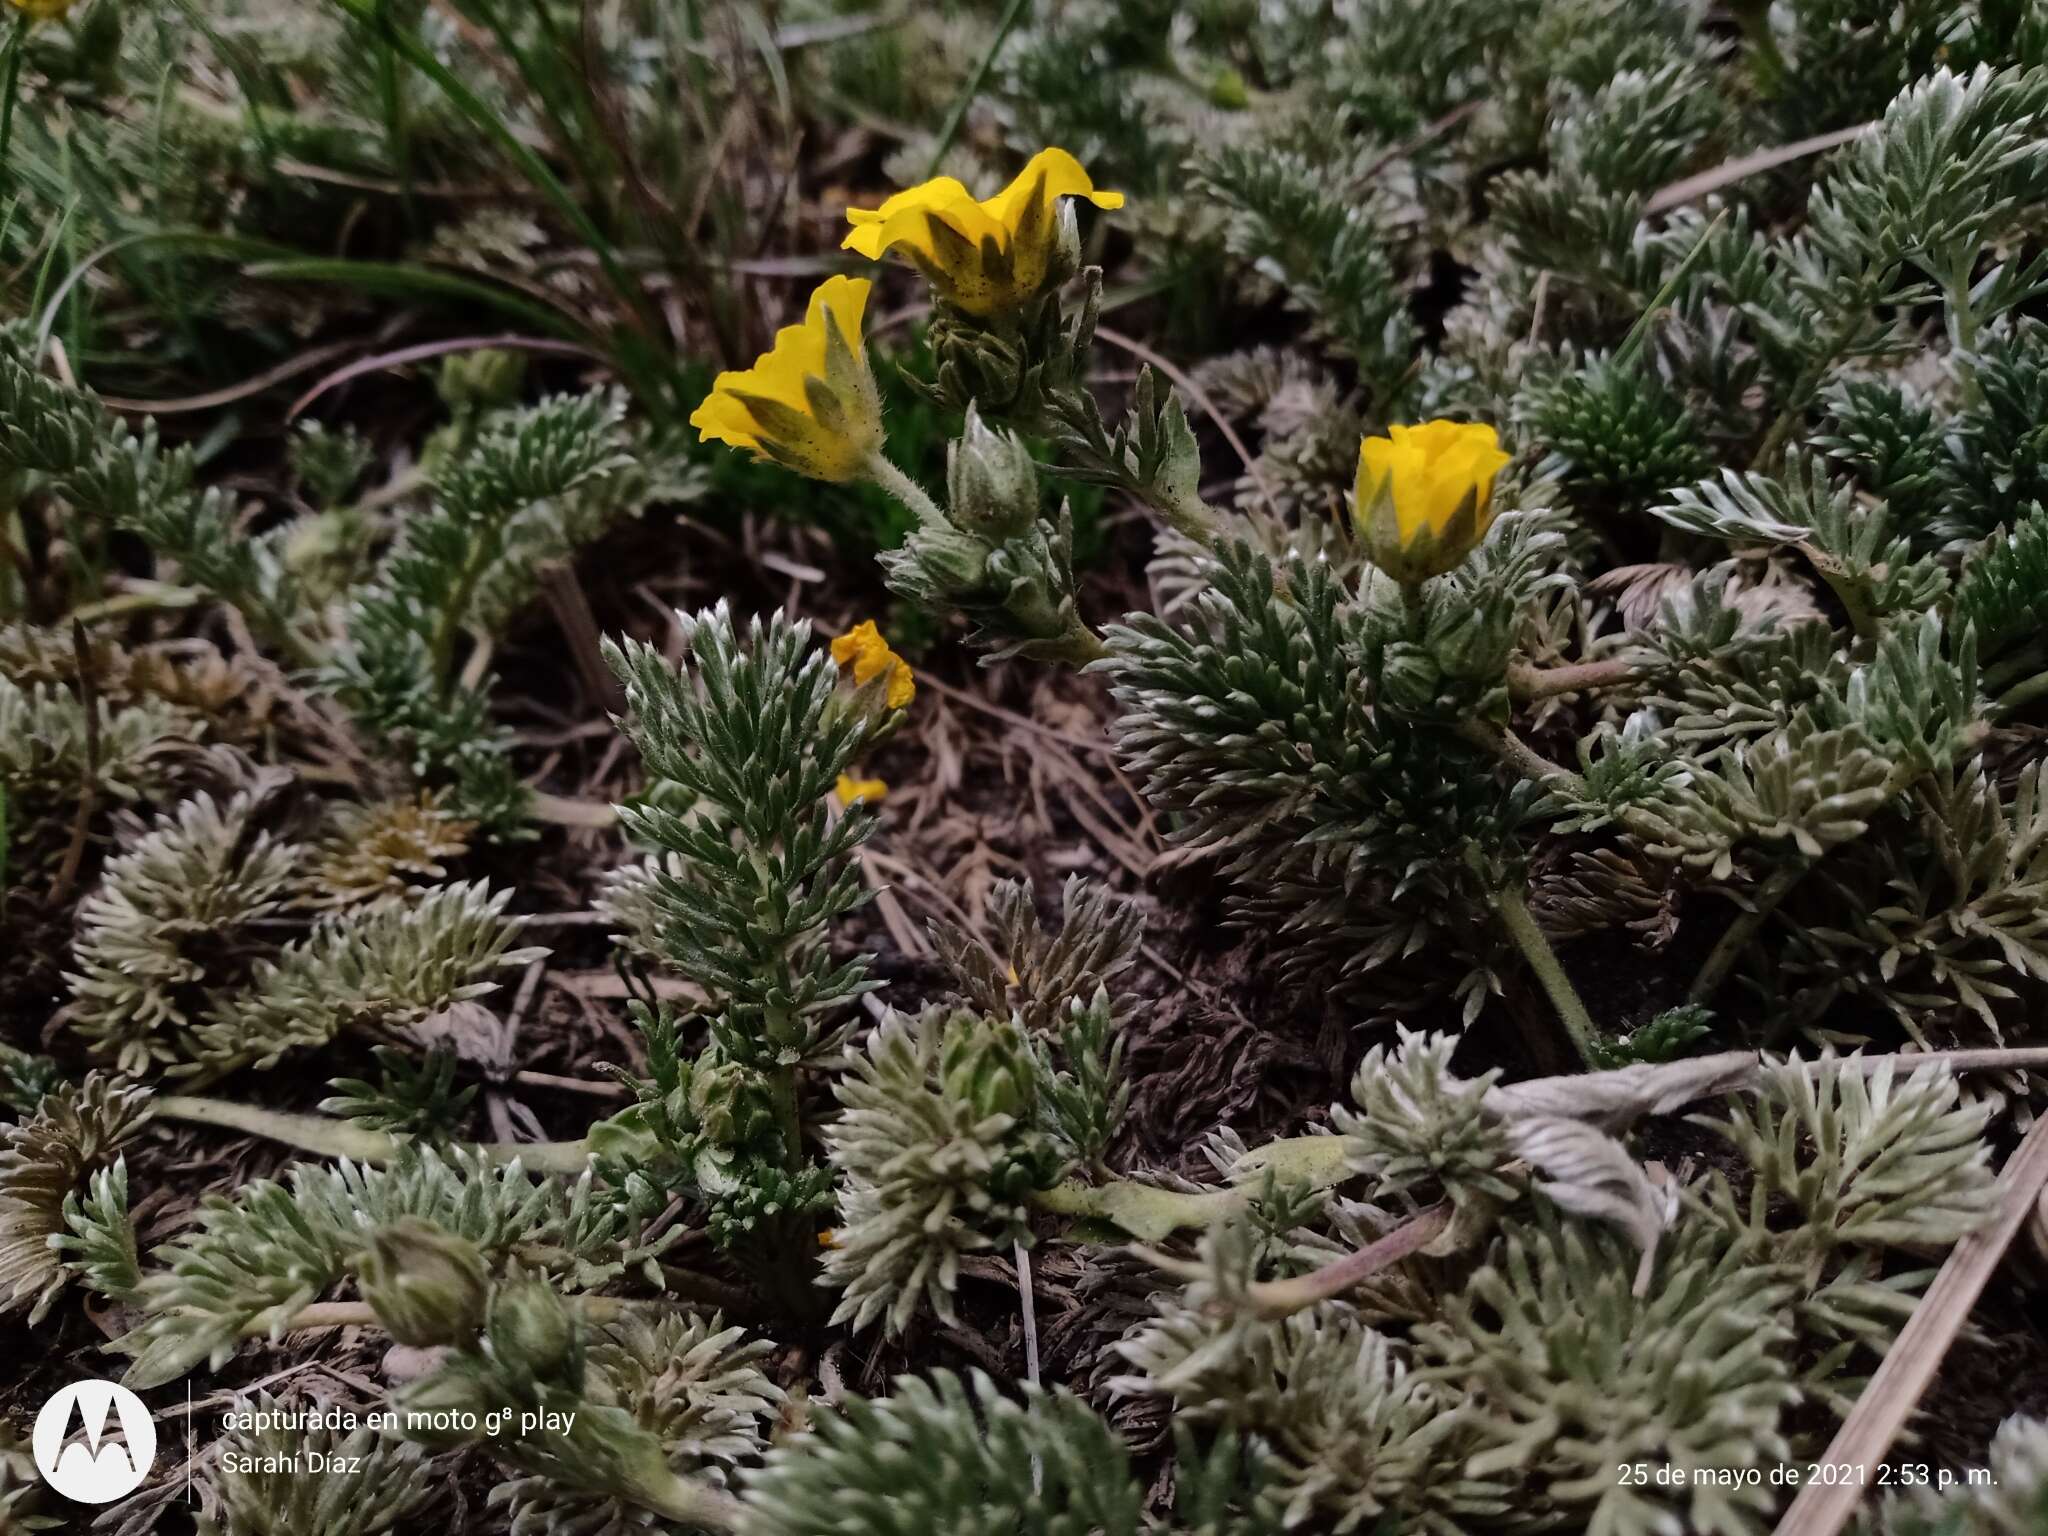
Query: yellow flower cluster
{"x": 1424, "y": 497}
{"x": 863, "y": 649}
{"x": 810, "y": 402}
{"x": 41, "y": 10}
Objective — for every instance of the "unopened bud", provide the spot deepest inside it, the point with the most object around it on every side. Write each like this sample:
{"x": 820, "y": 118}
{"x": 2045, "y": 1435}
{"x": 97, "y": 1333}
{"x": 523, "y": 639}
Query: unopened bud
{"x": 426, "y": 1285}
{"x": 531, "y": 1331}
{"x": 1410, "y": 679}
{"x": 987, "y": 1066}
{"x": 950, "y": 560}
{"x": 991, "y": 481}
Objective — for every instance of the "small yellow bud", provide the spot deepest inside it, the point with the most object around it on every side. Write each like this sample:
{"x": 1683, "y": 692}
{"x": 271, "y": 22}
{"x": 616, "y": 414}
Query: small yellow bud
{"x": 809, "y": 402}
{"x": 864, "y": 649}
{"x": 1425, "y": 496}
{"x": 851, "y": 789}
{"x": 983, "y": 257}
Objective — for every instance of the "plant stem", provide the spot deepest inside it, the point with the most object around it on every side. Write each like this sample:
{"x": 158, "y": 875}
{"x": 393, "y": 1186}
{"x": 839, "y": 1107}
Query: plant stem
{"x": 1848, "y": 585}
{"x": 693, "y": 1503}
{"x": 1518, "y": 754}
{"x": 391, "y": 97}
{"x": 2021, "y": 694}
{"x": 1081, "y": 645}
{"x": 1776, "y": 887}
{"x": 1530, "y": 939}
{"x": 336, "y": 1138}
{"x": 884, "y": 473}
{"x": 1530, "y": 685}
{"x": 1152, "y": 1214}
{"x": 360, "y": 1314}
{"x": 1280, "y": 1298}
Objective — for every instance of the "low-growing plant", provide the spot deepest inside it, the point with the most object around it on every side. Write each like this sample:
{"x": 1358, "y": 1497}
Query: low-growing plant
{"x": 1612, "y": 682}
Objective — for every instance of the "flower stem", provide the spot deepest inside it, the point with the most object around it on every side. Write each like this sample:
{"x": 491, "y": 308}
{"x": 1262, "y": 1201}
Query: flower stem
{"x": 1152, "y": 1214}
{"x": 884, "y": 473}
{"x": 693, "y": 1503}
{"x": 1519, "y": 755}
{"x": 360, "y": 1314}
{"x": 1530, "y": 684}
{"x": 1280, "y": 1298}
{"x": 1530, "y": 939}
{"x": 1776, "y": 887}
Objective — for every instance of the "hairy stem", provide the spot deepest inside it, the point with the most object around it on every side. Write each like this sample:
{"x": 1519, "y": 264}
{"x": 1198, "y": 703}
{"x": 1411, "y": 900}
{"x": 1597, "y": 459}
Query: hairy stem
{"x": 1518, "y": 754}
{"x": 693, "y": 1503}
{"x": 1152, "y": 1214}
{"x": 1776, "y": 887}
{"x": 360, "y": 1314}
{"x": 1279, "y": 1298}
{"x": 1530, "y": 939}
{"x": 1530, "y": 685}
{"x": 884, "y": 473}
{"x": 337, "y": 1138}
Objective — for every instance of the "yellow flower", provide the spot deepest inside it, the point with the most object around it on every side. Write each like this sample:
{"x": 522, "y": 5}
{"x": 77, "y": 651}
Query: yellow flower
{"x": 41, "y": 10}
{"x": 1425, "y": 494}
{"x": 851, "y": 789}
{"x": 981, "y": 256}
{"x": 864, "y": 649}
{"x": 809, "y": 402}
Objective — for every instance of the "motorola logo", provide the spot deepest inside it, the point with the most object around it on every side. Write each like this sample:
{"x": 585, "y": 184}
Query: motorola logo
{"x": 94, "y": 1442}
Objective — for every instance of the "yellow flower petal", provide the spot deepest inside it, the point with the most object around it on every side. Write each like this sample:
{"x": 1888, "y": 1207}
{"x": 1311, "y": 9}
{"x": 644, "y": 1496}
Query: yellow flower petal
{"x": 768, "y": 408}
{"x": 1426, "y": 476}
{"x": 1064, "y": 177}
{"x": 864, "y": 649}
{"x": 982, "y": 256}
{"x": 850, "y": 789}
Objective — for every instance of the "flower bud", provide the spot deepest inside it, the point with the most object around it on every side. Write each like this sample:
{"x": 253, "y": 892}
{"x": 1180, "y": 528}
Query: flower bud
{"x": 981, "y": 366}
{"x": 991, "y": 481}
{"x": 732, "y": 1102}
{"x": 1409, "y": 678}
{"x": 1227, "y": 88}
{"x": 531, "y": 1331}
{"x": 1424, "y": 497}
{"x": 426, "y": 1285}
{"x": 988, "y": 1066}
